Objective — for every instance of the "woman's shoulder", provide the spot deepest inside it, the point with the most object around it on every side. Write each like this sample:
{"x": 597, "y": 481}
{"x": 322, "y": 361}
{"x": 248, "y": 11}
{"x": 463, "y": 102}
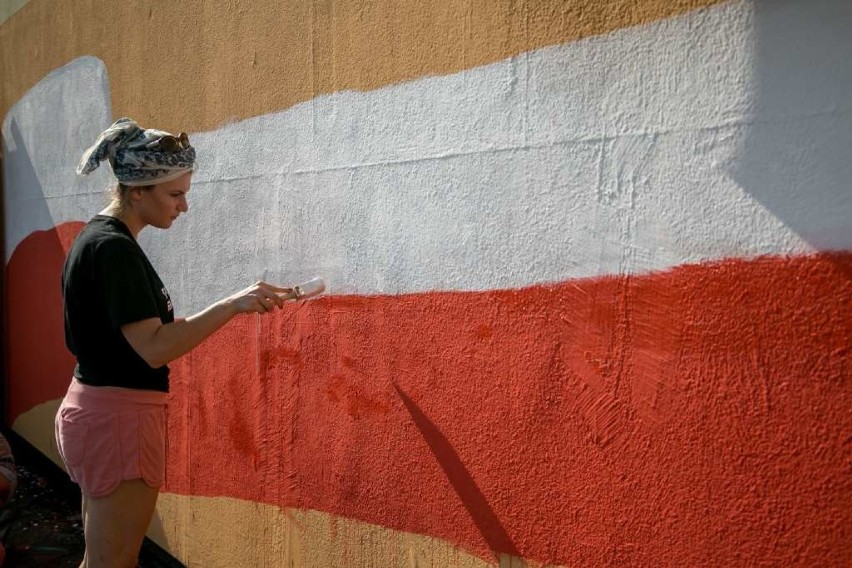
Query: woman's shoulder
{"x": 115, "y": 244}
{"x": 104, "y": 241}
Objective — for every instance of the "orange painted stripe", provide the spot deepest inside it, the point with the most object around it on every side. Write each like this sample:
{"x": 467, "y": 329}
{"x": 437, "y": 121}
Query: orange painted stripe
{"x": 610, "y": 416}
{"x": 38, "y": 364}
{"x": 192, "y": 66}
{"x": 601, "y": 418}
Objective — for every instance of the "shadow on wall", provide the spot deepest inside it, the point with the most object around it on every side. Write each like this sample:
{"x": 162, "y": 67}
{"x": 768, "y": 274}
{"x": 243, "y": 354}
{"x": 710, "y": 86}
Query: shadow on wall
{"x": 483, "y": 515}
{"x": 37, "y": 361}
{"x": 156, "y": 531}
{"x": 795, "y": 159}
{"x": 21, "y": 181}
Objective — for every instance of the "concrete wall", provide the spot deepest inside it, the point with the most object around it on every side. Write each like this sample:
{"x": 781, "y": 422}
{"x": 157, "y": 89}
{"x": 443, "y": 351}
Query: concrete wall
{"x": 589, "y": 272}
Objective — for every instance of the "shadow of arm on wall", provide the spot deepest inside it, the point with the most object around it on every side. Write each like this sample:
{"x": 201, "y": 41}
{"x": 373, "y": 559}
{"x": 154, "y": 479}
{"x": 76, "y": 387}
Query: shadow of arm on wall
{"x": 483, "y": 515}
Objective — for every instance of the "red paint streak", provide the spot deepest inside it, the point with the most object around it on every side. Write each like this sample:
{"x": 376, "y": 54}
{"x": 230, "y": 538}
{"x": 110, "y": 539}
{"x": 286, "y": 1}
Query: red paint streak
{"x": 357, "y": 403}
{"x": 694, "y": 417}
{"x": 38, "y": 363}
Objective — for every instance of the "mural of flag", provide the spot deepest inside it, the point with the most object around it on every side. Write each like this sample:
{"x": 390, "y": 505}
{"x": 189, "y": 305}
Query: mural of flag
{"x": 588, "y": 263}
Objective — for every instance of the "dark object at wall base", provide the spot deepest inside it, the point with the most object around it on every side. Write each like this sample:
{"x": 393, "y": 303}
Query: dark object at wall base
{"x": 41, "y": 526}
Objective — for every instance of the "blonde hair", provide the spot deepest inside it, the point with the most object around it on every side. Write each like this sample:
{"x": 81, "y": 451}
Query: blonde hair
{"x": 118, "y": 195}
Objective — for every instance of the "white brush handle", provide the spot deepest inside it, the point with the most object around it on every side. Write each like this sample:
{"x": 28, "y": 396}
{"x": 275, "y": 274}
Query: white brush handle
{"x": 305, "y": 290}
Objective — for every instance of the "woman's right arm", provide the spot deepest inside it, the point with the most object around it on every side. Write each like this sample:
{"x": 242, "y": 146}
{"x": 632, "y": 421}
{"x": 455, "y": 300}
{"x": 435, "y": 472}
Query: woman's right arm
{"x": 158, "y": 343}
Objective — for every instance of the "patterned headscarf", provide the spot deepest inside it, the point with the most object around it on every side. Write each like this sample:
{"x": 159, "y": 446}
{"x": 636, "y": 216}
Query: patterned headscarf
{"x": 135, "y": 155}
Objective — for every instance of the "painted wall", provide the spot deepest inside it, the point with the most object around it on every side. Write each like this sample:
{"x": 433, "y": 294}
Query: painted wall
{"x": 589, "y": 267}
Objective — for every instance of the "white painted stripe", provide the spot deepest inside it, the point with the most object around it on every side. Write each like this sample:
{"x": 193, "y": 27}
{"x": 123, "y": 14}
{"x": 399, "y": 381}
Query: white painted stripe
{"x": 679, "y": 141}
{"x": 44, "y": 135}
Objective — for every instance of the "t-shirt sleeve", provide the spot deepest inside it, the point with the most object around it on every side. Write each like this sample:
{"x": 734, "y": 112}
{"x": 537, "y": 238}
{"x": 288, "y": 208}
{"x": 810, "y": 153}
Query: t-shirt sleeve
{"x": 126, "y": 290}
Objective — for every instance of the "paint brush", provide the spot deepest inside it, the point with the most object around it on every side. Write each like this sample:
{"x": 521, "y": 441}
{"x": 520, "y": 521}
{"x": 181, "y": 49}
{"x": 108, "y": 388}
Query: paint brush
{"x": 305, "y": 290}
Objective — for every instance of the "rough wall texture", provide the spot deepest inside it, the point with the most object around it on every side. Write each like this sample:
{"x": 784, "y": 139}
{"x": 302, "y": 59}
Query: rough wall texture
{"x": 589, "y": 266}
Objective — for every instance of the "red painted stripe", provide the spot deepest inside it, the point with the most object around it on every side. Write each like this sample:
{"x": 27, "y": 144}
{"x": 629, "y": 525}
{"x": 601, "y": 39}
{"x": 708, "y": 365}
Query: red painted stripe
{"x": 698, "y": 416}
{"x": 694, "y": 417}
{"x": 38, "y": 364}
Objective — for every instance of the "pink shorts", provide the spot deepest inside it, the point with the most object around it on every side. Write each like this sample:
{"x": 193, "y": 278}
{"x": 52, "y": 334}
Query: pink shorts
{"x": 106, "y": 435}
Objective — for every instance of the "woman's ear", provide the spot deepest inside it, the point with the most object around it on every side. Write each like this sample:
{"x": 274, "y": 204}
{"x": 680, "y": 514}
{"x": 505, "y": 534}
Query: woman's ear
{"x": 135, "y": 193}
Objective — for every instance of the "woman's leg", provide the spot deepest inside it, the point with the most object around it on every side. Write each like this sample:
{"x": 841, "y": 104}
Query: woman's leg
{"x": 85, "y": 562}
{"x": 116, "y": 524}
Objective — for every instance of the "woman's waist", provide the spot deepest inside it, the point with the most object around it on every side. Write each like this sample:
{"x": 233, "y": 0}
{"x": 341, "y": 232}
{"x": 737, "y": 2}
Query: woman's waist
{"x": 114, "y": 398}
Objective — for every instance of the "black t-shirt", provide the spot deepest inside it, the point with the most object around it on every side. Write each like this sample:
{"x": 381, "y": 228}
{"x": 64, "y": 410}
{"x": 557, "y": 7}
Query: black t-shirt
{"x": 107, "y": 281}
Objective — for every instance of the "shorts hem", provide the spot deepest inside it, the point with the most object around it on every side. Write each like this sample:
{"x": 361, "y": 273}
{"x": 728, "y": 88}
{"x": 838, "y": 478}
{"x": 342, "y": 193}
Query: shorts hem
{"x": 107, "y": 492}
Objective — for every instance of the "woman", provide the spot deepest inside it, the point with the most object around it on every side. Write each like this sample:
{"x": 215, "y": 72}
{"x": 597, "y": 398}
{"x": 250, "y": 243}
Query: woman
{"x": 120, "y": 325}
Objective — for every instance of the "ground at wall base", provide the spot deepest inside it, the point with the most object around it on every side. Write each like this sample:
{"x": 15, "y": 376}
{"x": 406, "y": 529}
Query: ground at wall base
{"x": 41, "y": 525}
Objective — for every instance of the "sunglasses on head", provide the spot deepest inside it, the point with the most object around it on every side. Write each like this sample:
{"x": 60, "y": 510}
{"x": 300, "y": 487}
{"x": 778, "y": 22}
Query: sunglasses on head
{"x": 171, "y": 143}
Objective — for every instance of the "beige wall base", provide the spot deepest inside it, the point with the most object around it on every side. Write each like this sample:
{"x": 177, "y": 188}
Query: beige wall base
{"x": 223, "y": 532}
{"x": 213, "y": 532}
{"x": 36, "y": 426}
